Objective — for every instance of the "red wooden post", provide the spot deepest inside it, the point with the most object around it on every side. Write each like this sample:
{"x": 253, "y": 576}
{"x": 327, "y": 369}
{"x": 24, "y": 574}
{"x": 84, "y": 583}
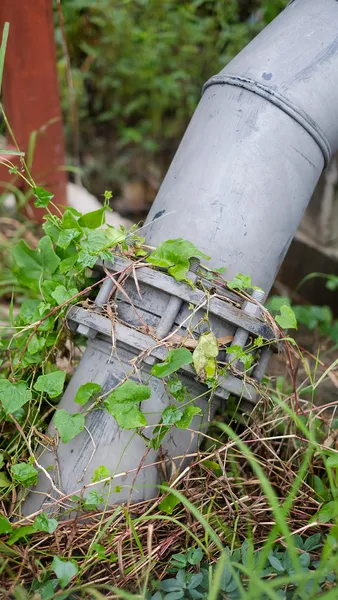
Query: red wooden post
{"x": 31, "y": 93}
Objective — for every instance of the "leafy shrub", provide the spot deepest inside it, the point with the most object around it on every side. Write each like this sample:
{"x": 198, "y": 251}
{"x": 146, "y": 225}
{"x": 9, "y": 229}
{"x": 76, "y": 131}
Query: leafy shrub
{"x": 193, "y": 579}
{"x": 138, "y": 69}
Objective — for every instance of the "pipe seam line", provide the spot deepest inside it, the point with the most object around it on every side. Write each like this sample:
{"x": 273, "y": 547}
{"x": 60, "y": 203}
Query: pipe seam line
{"x": 283, "y": 103}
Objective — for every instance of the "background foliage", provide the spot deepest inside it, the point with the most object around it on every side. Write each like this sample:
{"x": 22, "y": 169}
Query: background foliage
{"x": 138, "y": 67}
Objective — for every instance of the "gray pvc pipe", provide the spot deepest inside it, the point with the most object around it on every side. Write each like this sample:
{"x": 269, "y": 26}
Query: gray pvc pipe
{"x": 249, "y": 161}
{"x": 237, "y": 187}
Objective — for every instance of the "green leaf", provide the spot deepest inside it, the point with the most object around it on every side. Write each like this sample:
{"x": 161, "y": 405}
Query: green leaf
{"x": 85, "y": 392}
{"x": 174, "y": 595}
{"x": 320, "y": 488}
{"x": 43, "y": 523}
{"x": 66, "y": 236}
{"x": 61, "y": 294}
{"x": 92, "y": 500}
{"x": 52, "y": 384}
{"x": 179, "y": 560}
{"x": 122, "y": 404}
{"x": 188, "y": 415}
{"x": 168, "y": 503}
{"x": 5, "y": 526}
{"x": 213, "y": 466}
{"x": 27, "y": 311}
{"x": 25, "y": 474}
{"x": 195, "y": 580}
{"x": 241, "y": 282}
{"x": 305, "y": 559}
{"x": 328, "y": 512}
{"x": 2, "y": 460}
{"x": 52, "y": 228}
{"x": 14, "y": 395}
{"x": 101, "y": 551}
{"x": 36, "y": 344}
{"x": 332, "y": 282}
{"x": 287, "y": 318}
{"x": 172, "y": 585}
{"x": 332, "y": 461}
{"x": 85, "y": 259}
{"x": 312, "y": 542}
{"x": 107, "y": 255}
{"x": 275, "y": 302}
{"x": 171, "y": 415}
{"x": 31, "y": 265}
{"x": 114, "y": 236}
{"x": 43, "y": 197}
{"x": 93, "y": 219}
{"x": 100, "y": 473}
{"x": 4, "y": 481}
{"x": 64, "y": 570}
{"x": 313, "y": 316}
{"x": 68, "y": 425}
{"x": 237, "y": 353}
{"x": 46, "y": 255}
{"x": 69, "y": 220}
{"x": 204, "y": 356}
{"x": 276, "y": 563}
{"x": 27, "y": 265}
{"x": 175, "y": 256}
{"x": 177, "y": 389}
{"x": 96, "y": 241}
{"x": 195, "y": 556}
{"x": 19, "y": 533}
{"x": 175, "y": 360}
{"x": 67, "y": 264}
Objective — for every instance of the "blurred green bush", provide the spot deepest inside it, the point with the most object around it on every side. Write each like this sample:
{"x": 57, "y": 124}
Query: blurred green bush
{"x": 138, "y": 67}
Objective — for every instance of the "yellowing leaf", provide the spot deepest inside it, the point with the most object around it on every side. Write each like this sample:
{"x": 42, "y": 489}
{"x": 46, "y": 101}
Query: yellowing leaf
{"x": 204, "y": 356}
